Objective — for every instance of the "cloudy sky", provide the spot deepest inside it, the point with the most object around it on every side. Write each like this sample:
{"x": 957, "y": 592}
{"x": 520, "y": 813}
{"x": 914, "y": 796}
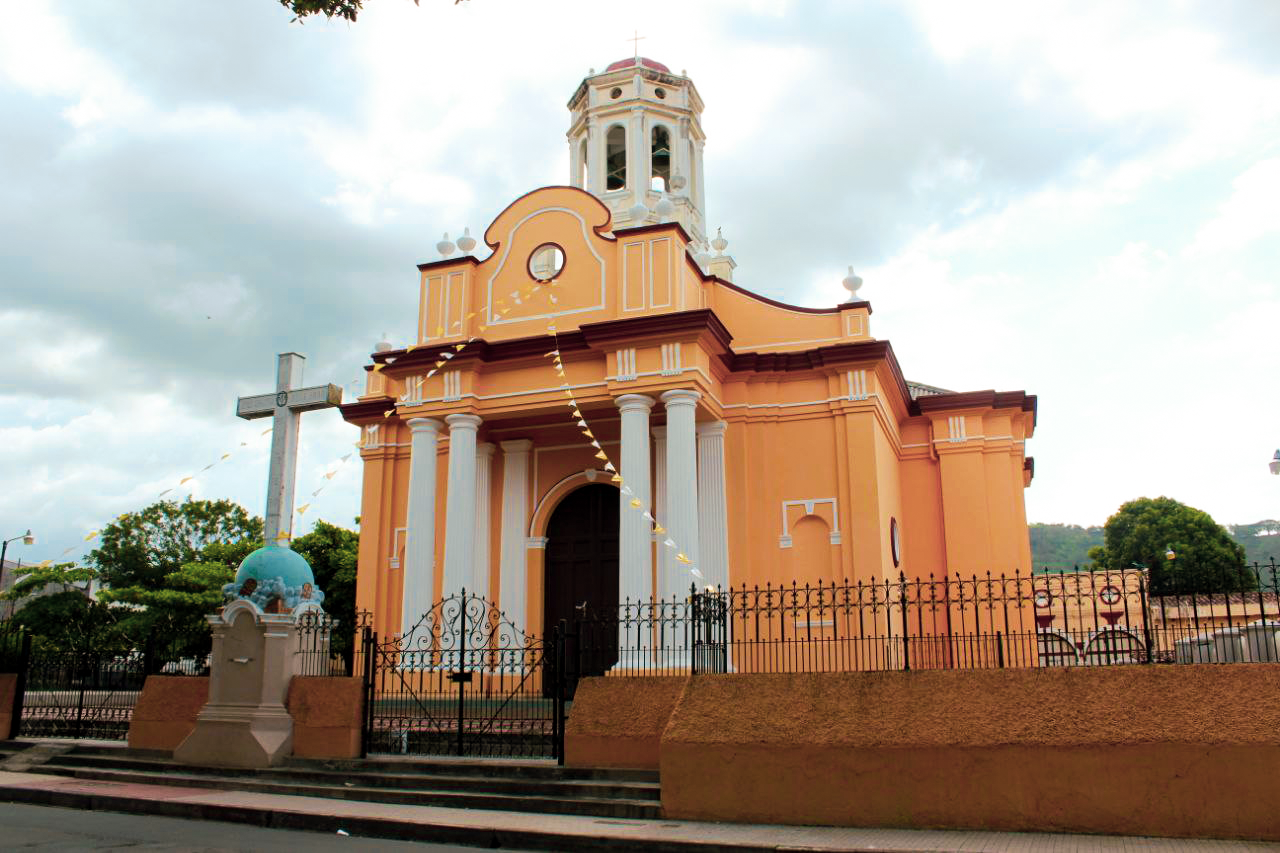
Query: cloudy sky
{"x": 1080, "y": 200}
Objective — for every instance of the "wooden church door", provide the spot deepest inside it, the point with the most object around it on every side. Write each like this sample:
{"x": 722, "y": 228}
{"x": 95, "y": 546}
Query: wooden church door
{"x": 581, "y": 584}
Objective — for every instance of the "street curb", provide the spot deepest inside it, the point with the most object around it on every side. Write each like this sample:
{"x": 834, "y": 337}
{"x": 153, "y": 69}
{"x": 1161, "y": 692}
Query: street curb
{"x": 398, "y": 830}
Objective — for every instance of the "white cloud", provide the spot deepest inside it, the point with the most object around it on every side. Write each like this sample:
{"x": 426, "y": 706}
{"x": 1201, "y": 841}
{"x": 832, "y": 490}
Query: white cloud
{"x": 1252, "y": 212}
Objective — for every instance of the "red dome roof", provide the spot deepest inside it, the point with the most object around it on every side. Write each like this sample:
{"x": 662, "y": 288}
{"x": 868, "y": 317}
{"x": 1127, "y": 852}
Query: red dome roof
{"x": 632, "y": 61}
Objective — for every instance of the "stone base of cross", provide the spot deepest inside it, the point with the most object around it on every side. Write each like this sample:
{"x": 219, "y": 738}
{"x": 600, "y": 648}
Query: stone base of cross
{"x": 285, "y": 406}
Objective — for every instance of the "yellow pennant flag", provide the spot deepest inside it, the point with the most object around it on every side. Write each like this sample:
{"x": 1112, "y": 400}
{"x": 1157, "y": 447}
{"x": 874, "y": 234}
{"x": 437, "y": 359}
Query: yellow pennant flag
{"x": 439, "y": 364}
{"x": 588, "y": 433}
{"x": 300, "y": 510}
{"x": 185, "y": 479}
{"x": 378, "y": 367}
{"x": 617, "y": 478}
{"x": 635, "y": 502}
{"x": 682, "y": 558}
{"x": 459, "y": 347}
{"x": 601, "y": 455}
{"x": 92, "y": 533}
{"x": 329, "y": 475}
{"x": 439, "y": 331}
{"x": 225, "y": 456}
{"x": 388, "y": 413}
{"x": 470, "y": 315}
{"x": 265, "y": 431}
{"x": 658, "y": 529}
{"x": 481, "y": 328}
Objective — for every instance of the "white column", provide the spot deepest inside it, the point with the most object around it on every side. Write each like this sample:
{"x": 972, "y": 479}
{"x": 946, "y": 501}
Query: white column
{"x": 635, "y": 568}
{"x": 662, "y": 554}
{"x": 460, "y": 505}
{"x": 682, "y": 489}
{"x": 479, "y": 583}
{"x": 634, "y": 565}
{"x": 418, "y": 575}
{"x": 512, "y": 561}
{"x": 713, "y": 516}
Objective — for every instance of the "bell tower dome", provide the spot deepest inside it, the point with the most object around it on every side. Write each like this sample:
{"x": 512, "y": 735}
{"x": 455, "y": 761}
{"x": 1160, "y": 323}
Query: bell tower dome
{"x": 635, "y": 142}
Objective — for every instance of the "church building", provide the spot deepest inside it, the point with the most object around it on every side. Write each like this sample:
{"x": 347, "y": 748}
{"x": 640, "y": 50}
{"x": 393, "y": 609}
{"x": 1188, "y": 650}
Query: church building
{"x": 595, "y": 412}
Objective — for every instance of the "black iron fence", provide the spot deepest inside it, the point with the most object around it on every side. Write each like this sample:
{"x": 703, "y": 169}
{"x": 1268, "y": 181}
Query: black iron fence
{"x": 1082, "y": 618}
{"x": 464, "y": 680}
{"x": 89, "y": 691}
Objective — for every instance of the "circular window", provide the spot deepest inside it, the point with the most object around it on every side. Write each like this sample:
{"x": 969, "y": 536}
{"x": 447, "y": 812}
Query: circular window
{"x": 661, "y": 93}
{"x": 1043, "y": 599}
{"x": 895, "y": 541}
{"x": 616, "y": 93}
{"x": 546, "y": 262}
{"x": 1110, "y": 595}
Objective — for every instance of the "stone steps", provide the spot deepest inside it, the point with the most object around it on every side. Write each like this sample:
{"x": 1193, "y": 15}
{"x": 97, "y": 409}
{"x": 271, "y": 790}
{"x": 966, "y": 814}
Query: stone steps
{"x": 522, "y": 787}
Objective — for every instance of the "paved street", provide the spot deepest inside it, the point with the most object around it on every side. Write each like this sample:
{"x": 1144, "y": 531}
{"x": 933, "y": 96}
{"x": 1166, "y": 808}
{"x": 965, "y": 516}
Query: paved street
{"x": 47, "y": 828}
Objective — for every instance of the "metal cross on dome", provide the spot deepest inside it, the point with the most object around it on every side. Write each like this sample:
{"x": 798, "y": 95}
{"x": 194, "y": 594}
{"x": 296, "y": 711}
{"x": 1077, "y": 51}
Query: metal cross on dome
{"x": 637, "y": 38}
{"x": 285, "y": 406}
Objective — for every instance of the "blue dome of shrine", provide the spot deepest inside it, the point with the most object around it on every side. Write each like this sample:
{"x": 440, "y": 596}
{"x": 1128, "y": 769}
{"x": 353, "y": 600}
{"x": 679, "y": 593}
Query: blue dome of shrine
{"x": 271, "y": 562}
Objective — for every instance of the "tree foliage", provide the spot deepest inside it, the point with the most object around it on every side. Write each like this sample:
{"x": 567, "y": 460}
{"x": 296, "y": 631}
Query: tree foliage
{"x": 1062, "y": 546}
{"x": 140, "y": 549}
{"x": 1260, "y": 540}
{"x": 347, "y": 10}
{"x": 59, "y": 612}
{"x": 1207, "y": 559}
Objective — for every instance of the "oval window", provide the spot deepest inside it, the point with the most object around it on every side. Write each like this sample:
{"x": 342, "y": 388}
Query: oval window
{"x": 546, "y": 262}
{"x": 616, "y": 93}
{"x": 895, "y": 541}
{"x": 661, "y": 93}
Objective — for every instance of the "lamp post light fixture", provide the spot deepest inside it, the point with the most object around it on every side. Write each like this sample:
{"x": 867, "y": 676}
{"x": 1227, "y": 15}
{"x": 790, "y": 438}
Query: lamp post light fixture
{"x": 1275, "y": 463}
{"x": 27, "y": 539}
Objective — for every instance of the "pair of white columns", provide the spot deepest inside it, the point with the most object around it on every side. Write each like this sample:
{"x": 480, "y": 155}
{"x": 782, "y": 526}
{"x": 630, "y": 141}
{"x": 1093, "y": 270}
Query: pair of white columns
{"x": 466, "y": 543}
{"x": 689, "y": 500}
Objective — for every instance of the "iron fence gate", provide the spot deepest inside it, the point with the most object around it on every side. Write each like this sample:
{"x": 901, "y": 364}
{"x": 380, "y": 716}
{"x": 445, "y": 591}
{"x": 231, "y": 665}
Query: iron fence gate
{"x": 463, "y": 681}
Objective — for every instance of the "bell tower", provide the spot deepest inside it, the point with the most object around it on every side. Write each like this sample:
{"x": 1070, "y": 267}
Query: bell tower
{"x": 635, "y": 142}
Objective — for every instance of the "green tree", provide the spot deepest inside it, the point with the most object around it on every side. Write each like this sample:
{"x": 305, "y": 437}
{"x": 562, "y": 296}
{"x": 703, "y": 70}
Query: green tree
{"x": 332, "y": 552}
{"x": 140, "y": 549}
{"x": 1206, "y": 558}
{"x": 60, "y": 614}
{"x": 1062, "y": 546}
{"x": 347, "y": 10}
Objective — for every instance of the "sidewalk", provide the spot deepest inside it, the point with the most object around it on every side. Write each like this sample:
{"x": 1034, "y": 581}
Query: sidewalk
{"x": 545, "y": 832}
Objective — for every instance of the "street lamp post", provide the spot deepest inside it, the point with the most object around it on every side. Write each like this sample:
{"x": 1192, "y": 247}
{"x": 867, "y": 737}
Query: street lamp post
{"x": 27, "y": 539}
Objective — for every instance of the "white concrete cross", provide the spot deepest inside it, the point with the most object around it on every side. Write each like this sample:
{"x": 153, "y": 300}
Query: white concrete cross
{"x": 285, "y": 406}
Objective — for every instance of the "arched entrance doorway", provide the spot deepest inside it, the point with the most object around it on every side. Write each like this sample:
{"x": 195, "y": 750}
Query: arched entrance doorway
{"x": 581, "y": 582}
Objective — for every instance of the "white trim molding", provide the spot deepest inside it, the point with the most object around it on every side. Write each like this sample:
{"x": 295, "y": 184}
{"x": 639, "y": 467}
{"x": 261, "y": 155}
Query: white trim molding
{"x": 857, "y": 384}
{"x": 809, "y": 504}
{"x": 671, "y": 365}
{"x": 626, "y": 363}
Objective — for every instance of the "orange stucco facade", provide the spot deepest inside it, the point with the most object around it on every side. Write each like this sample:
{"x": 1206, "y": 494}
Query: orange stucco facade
{"x": 825, "y": 448}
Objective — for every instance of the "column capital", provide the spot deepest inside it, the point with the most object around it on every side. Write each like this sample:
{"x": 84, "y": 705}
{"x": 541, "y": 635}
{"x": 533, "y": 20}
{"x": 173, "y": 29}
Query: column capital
{"x": 470, "y": 422}
{"x": 712, "y": 428}
{"x": 516, "y": 445}
{"x": 659, "y": 433}
{"x": 485, "y": 449}
{"x": 417, "y": 425}
{"x": 680, "y": 397}
{"x": 634, "y": 402}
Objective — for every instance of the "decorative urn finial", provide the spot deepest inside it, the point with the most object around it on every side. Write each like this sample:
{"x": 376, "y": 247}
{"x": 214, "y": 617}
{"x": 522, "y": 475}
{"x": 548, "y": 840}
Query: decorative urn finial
{"x": 445, "y": 247}
{"x": 851, "y": 283}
